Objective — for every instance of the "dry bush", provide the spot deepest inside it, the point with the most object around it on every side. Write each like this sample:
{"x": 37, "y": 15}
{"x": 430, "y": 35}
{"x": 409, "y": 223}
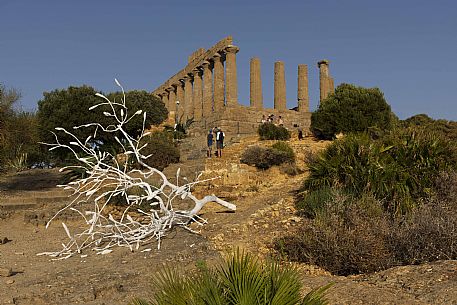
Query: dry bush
{"x": 429, "y": 235}
{"x": 344, "y": 241}
{"x": 446, "y": 186}
{"x": 290, "y": 169}
{"x": 264, "y": 158}
{"x": 355, "y": 235}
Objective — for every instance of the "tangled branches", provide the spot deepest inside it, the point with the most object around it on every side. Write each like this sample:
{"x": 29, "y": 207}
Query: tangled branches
{"x": 109, "y": 176}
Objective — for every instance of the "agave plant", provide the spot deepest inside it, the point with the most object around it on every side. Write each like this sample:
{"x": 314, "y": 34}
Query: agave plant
{"x": 240, "y": 279}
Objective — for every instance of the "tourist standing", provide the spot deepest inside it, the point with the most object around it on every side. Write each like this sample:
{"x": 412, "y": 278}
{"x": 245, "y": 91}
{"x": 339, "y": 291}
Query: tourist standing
{"x": 209, "y": 140}
{"x": 220, "y": 135}
{"x": 280, "y": 121}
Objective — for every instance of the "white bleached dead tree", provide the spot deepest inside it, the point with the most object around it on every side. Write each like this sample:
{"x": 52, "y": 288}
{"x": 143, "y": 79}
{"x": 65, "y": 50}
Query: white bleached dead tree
{"x": 108, "y": 177}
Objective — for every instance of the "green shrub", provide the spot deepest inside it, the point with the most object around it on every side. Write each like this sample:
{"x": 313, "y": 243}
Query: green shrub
{"x": 264, "y": 158}
{"x": 240, "y": 279}
{"x": 399, "y": 168}
{"x": 161, "y": 149}
{"x": 285, "y": 147}
{"x": 447, "y": 129}
{"x": 315, "y": 202}
{"x": 269, "y": 131}
{"x": 351, "y": 109}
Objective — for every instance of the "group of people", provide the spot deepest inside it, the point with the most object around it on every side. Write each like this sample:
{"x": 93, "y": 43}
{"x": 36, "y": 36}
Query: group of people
{"x": 271, "y": 119}
{"x": 220, "y": 135}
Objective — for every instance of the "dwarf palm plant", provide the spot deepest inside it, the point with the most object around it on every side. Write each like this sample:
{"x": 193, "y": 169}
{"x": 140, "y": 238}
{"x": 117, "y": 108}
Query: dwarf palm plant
{"x": 240, "y": 279}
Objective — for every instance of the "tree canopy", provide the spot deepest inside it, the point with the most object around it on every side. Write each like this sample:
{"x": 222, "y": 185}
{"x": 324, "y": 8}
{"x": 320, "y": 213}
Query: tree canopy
{"x": 351, "y": 109}
{"x": 69, "y": 107}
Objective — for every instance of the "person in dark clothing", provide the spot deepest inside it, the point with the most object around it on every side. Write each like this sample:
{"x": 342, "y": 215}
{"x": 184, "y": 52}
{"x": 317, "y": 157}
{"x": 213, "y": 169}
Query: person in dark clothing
{"x": 209, "y": 140}
{"x": 300, "y": 134}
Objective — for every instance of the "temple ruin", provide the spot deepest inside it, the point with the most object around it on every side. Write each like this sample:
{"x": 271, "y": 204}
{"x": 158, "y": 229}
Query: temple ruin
{"x": 206, "y": 90}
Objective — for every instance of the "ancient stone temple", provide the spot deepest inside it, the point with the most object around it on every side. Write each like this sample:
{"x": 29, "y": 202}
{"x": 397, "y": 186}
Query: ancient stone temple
{"x": 206, "y": 90}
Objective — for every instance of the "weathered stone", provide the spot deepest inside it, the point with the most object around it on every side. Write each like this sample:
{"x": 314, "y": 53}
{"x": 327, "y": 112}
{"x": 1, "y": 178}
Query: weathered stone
{"x": 197, "y": 96}
{"x": 172, "y": 103}
{"x": 214, "y": 96}
{"x": 207, "y": 89}
{"x": 231, "y": 75}
{"x": 218, "y": 73}
{"x": 279, "y": 87}
{"x": 5, "y": 272}
{"x": 196, "y": 61}
{"x": 302, "y": 90}
{"x": 256, "y": 96}
{"x": 164, "y": 97}
{"x": 188, "y": 102}
{"x": 325, "y": 81}
{"x": 180, "y": 99}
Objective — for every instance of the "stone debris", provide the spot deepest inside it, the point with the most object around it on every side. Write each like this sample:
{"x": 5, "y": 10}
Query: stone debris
{"x": 6, "y": 272}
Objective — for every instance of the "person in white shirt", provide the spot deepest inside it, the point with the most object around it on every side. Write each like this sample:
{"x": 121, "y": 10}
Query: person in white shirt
{"x": 220, "y": 135}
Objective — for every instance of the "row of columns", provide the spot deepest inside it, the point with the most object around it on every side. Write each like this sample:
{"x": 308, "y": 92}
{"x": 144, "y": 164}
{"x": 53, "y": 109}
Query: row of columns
{"x": 256, "y": 96}
{"x": 206, "y": 89}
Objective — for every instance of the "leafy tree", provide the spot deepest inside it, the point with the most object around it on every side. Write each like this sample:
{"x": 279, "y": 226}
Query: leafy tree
{"x": 351, "y": 109}
{"x": 8, "y": 97}
{"x": 69, "y": 107}
{"x": 142, "y": 100}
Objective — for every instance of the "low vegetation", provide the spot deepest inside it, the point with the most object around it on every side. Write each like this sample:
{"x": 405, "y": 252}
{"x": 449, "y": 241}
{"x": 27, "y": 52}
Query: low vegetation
{"x": 399, "y": 168}
{"x": 266, "y": 157}
{"x": 19, "y": 148}
{"x": 377, "y": 203}
{"x": 349, "y": 235}
{"x": 161, "y": 149}
{"x": 269, "y": 131}
{"x": 240, "y": 279}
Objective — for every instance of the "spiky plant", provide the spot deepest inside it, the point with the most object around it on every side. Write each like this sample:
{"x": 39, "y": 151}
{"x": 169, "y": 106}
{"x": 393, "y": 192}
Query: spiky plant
{"x": 241, "y": 279}
{"x": 398, "y": 168}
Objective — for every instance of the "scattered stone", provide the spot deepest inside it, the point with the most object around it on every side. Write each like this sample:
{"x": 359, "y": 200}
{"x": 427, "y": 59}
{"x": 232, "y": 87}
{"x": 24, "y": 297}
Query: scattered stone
{"x": 295, "y": 219}
{"x": 9, "y": 282}
{"x": 6, "y": 272}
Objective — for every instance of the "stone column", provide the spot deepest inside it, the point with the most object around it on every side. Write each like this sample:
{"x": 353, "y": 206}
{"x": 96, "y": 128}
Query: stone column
{"x": 188, "y": 103}
{"x": 197, "y": 97}
{"x": 324, "y": 79}
{"x": 231, "y": 82}
{"x": 218, "y": 82}
{"x": 207, "y": 89}
{"x": 280, "y": 87}
{"x": 256, "y": 95}
{"x": 171, "y": 104}
{"x": 164, "y": 98}
{"x": 180, "y": 99}
{"x": 302, "y": 91}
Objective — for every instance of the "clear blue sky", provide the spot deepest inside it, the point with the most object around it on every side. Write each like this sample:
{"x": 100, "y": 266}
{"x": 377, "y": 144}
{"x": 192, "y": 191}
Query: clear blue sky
{"x": 406, "y": 48}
